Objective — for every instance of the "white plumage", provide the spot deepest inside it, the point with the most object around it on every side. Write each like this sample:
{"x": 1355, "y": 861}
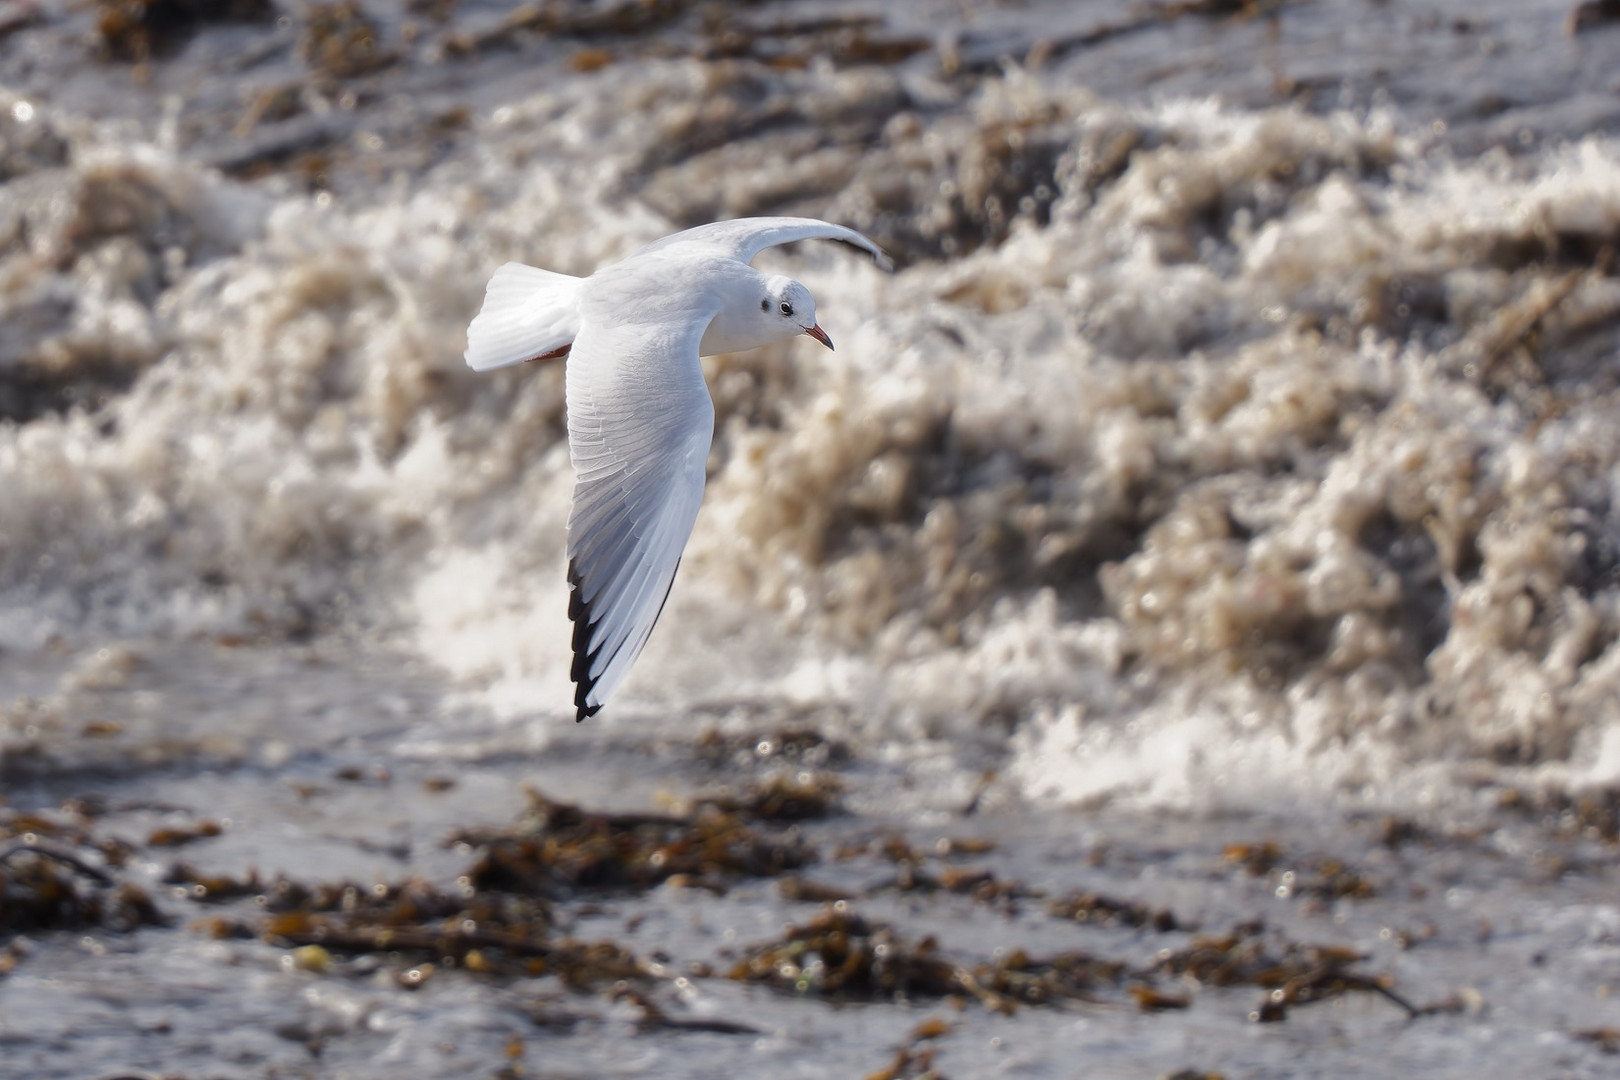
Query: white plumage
{"x": 639, "y": 415}
{"x": 528, "y": 314}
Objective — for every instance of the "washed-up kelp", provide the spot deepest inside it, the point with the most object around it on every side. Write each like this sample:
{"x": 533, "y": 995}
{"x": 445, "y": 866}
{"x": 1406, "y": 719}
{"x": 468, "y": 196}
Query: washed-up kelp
{"x": 499, "y": 917}
{"x": 842, "y": 955}
{"x": 503, "y": 917}
{"x": 557, "y": 849}
{"x": 1293, "y": 974}
{"x": 1593, "y": 813}
{"x": 137, "y": 31}
{"x": 1320, "y": 877}
{"x": 415, "y": 924}
{"x": 1100, "y": 910}
{"x": 55, "y": 875}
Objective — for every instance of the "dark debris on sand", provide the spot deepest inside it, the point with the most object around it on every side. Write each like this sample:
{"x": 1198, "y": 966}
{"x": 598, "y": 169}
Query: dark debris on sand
{"x": 1317, "y": 876}
{"x": 915, "y": 1060}
{"x": 1291, "y": 974}
{"x": 840, "y": 955}
{"x": 500, "y": 917}
{"x": 506, "y": 915}
{"x": 137, "y": 31}
{"x": 56, "y": 874}
{"x": 1592, "y": 813}
{"x": 1094, "y": 908}
{"x": 557, "y": 849}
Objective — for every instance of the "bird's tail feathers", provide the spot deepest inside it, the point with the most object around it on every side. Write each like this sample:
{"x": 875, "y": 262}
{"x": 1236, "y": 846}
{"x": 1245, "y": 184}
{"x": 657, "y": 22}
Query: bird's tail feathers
{"x": 528, "y": 314}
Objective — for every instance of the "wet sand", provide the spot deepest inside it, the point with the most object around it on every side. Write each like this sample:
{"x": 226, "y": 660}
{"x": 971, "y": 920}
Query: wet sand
{"x": 1171, "y": 637}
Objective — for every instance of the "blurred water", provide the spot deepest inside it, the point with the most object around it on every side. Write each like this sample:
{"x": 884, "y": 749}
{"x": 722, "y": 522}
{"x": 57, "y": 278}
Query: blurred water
{"x": 1237, "y": 438}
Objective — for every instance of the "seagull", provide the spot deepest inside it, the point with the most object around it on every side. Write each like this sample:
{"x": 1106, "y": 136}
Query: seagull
{"x": 640, "y": 419}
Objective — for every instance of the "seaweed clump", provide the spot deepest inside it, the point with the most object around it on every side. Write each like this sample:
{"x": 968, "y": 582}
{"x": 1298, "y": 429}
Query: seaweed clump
{"x": 55, "y": 876}
{"x": 342, "y": 41}
{"x": 481, "y": 930}
{"x": 1593, "y": 814}
{"x": 1100, "y": 910}
{"x": 783, "y": 797}
{"x": 418, "y": 924}
{"x": 557, "y": 849}
{"x": 136, "y": 31}
{"x": 499, "y": 917}
{"x": 1320, "y": 878}
{"x": 839, "y": 954}
{"x": 1295, "y": 975}
{"x": 842, "y": 955}
{"x": 915, "y": 1060}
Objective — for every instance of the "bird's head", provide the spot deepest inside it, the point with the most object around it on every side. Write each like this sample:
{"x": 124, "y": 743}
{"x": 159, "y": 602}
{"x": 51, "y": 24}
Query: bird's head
{"x": 791, "y": 305}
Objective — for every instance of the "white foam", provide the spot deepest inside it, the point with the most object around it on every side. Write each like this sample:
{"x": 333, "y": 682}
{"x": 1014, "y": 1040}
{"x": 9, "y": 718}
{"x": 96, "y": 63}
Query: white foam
{"x": 1193, "y": 386}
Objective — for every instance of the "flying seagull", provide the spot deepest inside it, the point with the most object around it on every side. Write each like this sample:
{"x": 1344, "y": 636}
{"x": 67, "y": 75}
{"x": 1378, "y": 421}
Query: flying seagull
{"x": 639, "y": 415}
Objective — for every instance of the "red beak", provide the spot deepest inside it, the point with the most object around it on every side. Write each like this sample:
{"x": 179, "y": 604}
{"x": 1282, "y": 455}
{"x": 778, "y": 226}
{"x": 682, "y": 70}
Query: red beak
{"x": 820, "y": 335}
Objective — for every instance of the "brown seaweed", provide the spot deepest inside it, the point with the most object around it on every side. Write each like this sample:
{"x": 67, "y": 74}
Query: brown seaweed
{"x": 1606, "y": 1039}
{"x": 1294, "y": 975}
{"x": 784, "y": 797}
{"x": 1591, "y": 15}
{"x": 1593, "y": 814}
{"x": 915, "y": 1060}
{"x": 841, "y": 955}
{"x": 499, "y": 917}
{"x": 654, "y": 1017}
{"x": 136, "y": 31}
{"x": 1100, "y": 910}
{"x": 557, "y": 849}
{"x": 1316, "y": 876}
{"x": 422, "y": 929}
{"x": 54, "y": 875}
{"x": 177, "y": 835}
{"x": 340, "y": 40}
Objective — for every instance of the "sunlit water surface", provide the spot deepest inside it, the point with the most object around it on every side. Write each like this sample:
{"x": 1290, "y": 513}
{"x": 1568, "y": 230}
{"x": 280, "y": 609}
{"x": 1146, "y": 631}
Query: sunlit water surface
{"x": 1231, "y": 460}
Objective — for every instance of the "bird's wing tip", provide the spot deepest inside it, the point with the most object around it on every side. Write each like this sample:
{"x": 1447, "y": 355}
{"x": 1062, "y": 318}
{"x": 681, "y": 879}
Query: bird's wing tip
{"x": 865, "y": 245}
{"x": 579, "y": 612}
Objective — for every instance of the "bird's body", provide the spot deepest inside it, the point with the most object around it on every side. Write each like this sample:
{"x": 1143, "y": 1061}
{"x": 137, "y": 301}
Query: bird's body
{"x": 640, "y": 419}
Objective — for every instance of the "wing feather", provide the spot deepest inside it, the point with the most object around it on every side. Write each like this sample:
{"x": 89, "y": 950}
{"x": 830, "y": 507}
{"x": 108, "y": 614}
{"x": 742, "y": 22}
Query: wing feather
{"x": 639, "y": 423}
{"x": 745, "y": 238}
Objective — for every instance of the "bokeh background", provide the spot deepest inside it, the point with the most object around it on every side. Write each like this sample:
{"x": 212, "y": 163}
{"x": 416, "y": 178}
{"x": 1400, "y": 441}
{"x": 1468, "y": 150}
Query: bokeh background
{"x": 1236, "y": 443}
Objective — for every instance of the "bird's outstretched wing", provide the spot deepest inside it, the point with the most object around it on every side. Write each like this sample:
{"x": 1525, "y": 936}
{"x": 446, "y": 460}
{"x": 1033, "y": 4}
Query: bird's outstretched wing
{"x": 745, "y": 238}
{"x": 639, "y": 426}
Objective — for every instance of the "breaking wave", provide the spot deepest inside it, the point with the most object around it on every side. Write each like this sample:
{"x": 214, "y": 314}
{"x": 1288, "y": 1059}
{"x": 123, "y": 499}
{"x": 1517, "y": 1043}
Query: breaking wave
{"x": 1197, "y": 455}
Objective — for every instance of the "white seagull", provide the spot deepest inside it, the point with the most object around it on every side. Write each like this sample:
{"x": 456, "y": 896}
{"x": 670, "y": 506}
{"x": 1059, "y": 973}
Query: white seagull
{"x": 639, "y": 415}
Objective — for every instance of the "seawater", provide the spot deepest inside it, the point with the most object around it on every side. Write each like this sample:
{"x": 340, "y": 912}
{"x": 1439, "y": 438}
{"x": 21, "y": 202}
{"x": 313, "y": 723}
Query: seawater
{"x": 1237, "y": 438}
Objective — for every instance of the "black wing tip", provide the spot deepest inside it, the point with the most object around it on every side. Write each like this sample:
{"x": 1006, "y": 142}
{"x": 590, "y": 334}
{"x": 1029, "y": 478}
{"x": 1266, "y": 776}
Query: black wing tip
{"x": 883, "y": 259}
{"x": 579, "y": 613}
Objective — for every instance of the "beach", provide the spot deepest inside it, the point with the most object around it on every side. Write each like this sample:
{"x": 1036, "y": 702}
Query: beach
{"x": 1175, "y": 633}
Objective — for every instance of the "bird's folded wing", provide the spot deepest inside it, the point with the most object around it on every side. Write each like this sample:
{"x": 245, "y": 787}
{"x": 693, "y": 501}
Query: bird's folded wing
{"x": 747, "y": 237}
{"x": 639, "y": 426}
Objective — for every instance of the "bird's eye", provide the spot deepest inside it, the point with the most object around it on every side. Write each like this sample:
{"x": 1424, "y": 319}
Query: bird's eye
{"x": 787, "y": 308}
